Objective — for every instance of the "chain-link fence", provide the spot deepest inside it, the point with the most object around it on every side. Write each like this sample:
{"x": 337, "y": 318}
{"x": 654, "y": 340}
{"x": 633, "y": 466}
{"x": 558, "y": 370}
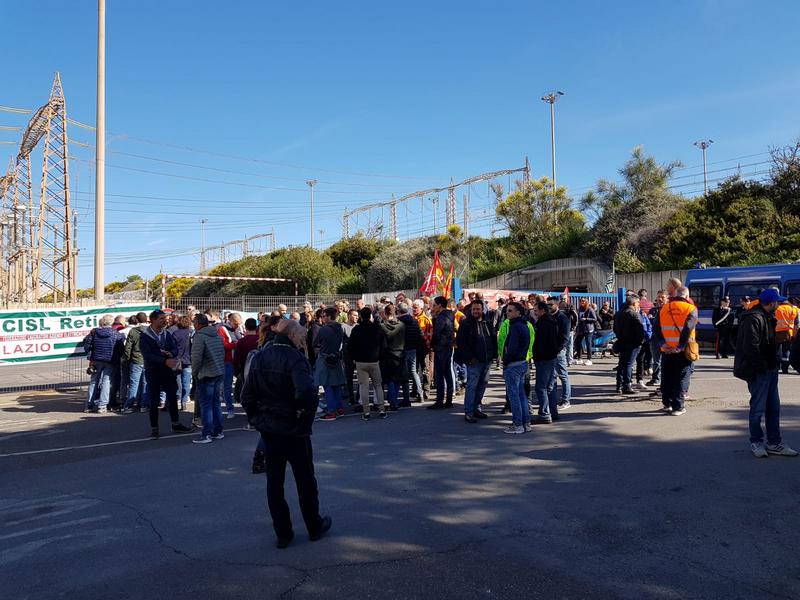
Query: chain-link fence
{"x": 257, "y": 303}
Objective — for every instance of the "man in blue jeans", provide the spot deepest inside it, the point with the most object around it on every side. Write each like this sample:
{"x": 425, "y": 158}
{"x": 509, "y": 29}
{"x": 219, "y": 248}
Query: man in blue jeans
{"x": 757, "y": 362}
{"x": 564, "y": 347}
{"x": 515, "y": 367}
{"x": 549, "y": 341}
{"x": 103, "y": 347}
{"x": 208, "y": 368}
{"x": 630, "y": 334}
{"x": 476, "y": 347}
{"x": 442, "y": 346}
{"x": 412, "y": 344}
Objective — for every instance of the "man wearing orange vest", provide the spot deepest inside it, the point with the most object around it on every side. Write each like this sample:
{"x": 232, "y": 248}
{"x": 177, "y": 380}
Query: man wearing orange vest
{"x": 786, "y": 328}
{"x": 674, "y": 328}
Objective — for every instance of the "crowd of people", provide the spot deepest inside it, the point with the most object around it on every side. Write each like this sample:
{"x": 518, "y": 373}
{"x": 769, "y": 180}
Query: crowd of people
{"x": 405, "y": 351}
{"x": 376, "y": 360}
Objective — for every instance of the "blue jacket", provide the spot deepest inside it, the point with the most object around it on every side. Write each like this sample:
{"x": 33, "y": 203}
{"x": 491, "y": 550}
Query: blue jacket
{"x": 183, "y": 342}
{"x": 517, "y": 342}
{"x": 443, "y": 331}
{"x": 648, "y": 327}
{"x": 103, "y": 344}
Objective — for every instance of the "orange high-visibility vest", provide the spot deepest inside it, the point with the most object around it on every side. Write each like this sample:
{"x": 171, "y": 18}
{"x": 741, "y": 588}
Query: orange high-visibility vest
{"x": 672, "y": 317}
{"x": 786, "y": 314}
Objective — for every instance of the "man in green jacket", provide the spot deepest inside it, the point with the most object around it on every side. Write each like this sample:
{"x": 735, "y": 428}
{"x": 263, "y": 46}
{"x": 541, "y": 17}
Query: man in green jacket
{"x": 501, "y": 342}
{"x": 134, "y": 361}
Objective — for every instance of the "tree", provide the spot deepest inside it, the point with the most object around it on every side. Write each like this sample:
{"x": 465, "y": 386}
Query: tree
{"x": 404, "y": 266}
{"x": 357, "y": 251}
{"x": 535, "y": 216}
{"x": 630, "y": 215}
{"x": 785, "y": 175}
{"x": 736, "y": 224}
{"x": 313, "y": 271}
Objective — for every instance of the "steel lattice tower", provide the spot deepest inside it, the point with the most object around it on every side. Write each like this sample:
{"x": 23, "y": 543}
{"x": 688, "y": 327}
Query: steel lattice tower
{"x": 40, "y": 248}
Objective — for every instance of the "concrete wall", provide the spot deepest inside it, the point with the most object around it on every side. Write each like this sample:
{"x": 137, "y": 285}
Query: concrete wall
{"x": 576, "y": 273}
{"x": 556, "y": 275}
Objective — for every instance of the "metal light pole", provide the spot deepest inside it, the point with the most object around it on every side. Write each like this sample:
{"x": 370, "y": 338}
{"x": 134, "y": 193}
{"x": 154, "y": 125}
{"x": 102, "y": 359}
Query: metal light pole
{"x": 203, "y": 245}
{"x": 100, "y": 158}
{"x": 551, "y": 98}
{"x": 703, "y": 145}
{"x": 311, "y": 183}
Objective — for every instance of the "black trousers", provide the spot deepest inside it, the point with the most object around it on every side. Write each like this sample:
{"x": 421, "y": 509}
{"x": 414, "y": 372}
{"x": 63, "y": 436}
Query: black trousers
{"x": 162, "y": 380}
{"x": 723, "y": 345}
{"x": 297, "y": 451}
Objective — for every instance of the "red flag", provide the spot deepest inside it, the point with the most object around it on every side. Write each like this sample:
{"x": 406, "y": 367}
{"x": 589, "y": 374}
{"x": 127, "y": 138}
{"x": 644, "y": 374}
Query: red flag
{"x": 566, "y": 295}
{"x": 434, "y": 278}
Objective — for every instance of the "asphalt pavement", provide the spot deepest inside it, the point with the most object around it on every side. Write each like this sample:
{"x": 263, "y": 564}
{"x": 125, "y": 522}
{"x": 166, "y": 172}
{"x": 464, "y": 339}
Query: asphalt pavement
{"x": 616, "y": 500}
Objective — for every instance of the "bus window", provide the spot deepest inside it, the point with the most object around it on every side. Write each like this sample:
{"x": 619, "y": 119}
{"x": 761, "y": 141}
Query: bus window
{"x": 706, "y": 295}
{"x": 793, "y": 289}
{"x": 736, "y": 291}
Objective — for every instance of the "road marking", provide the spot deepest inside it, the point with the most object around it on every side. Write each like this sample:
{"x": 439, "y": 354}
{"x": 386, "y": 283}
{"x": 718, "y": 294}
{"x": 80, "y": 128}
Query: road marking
{"x": 75, "y": 522}
{"x": 103, "y": 444}
{"x": 36, "y": 433}
{"x": 65, "y": 507}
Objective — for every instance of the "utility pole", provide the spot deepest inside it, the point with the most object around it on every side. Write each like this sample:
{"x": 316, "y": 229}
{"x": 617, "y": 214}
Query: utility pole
{"x": 100, "y": 158}
{"x": 435, "y": 201}
{"x": 203, "y": 245}
{"x": 703, "y": 145}
{"x": 311, "y": 183}
{"x": 551, "y": 98}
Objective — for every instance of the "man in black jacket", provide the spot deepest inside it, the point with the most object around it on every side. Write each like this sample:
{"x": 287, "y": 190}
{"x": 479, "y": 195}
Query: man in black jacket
{"x": 442, "y": 346}
{"x": 281, "y": 399}
{"x": 722, "y": 318}
{"x": 160, "y": 363}
{"x": 630, "y": 334}
{"x": 547, "y": 345}
{"x": 756, "y": 362}
{"x": 476, "y": 347}
{"x": 412, "y": 344}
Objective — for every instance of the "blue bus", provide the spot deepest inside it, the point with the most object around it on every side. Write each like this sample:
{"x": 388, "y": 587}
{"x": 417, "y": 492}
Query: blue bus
{"x": 708, "y": 286}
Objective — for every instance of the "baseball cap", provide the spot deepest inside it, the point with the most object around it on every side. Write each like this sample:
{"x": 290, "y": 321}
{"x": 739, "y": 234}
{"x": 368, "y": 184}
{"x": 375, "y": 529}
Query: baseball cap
{"x": 770, "y": 295}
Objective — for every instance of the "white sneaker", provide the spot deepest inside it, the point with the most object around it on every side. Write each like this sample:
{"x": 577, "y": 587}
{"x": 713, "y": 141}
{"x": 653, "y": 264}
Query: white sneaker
{"x": 579, "y": 362}
{"x": 679, "y": 412}
{"x": 588, "y": 363}
{"x": 219, "y": 436}
{"x": 527, "y": 428}
{"x": 203, "y": 439}
{"x": 514, "y": 429}
{"x": 780, "y": 450}
{"x": 758, "y": 450}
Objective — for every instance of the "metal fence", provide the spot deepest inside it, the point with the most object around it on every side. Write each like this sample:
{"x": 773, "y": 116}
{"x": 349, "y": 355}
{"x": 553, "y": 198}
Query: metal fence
{"x": 257, "y": 303}
{"x": 56, "y": 375}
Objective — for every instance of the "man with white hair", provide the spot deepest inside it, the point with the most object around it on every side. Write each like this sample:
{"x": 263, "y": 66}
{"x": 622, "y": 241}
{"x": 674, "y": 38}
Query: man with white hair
{"x": 281, "y": 399}
{"x": 673, "y": 331}
{"x": 103, "y": 347}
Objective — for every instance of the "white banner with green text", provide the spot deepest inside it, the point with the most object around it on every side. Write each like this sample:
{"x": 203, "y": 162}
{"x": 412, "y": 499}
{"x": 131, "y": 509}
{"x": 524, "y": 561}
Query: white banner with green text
{"x": 37, "y": 335}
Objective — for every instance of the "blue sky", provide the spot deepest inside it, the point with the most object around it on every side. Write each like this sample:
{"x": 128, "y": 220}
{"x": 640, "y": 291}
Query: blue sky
{"x": 374, "y": 99}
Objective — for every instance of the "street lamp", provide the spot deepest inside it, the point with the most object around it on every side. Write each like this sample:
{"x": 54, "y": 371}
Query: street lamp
{"x": 311, "y": 183}
{"x": 703, "y": 145}
{"x": 551, "y": 98}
